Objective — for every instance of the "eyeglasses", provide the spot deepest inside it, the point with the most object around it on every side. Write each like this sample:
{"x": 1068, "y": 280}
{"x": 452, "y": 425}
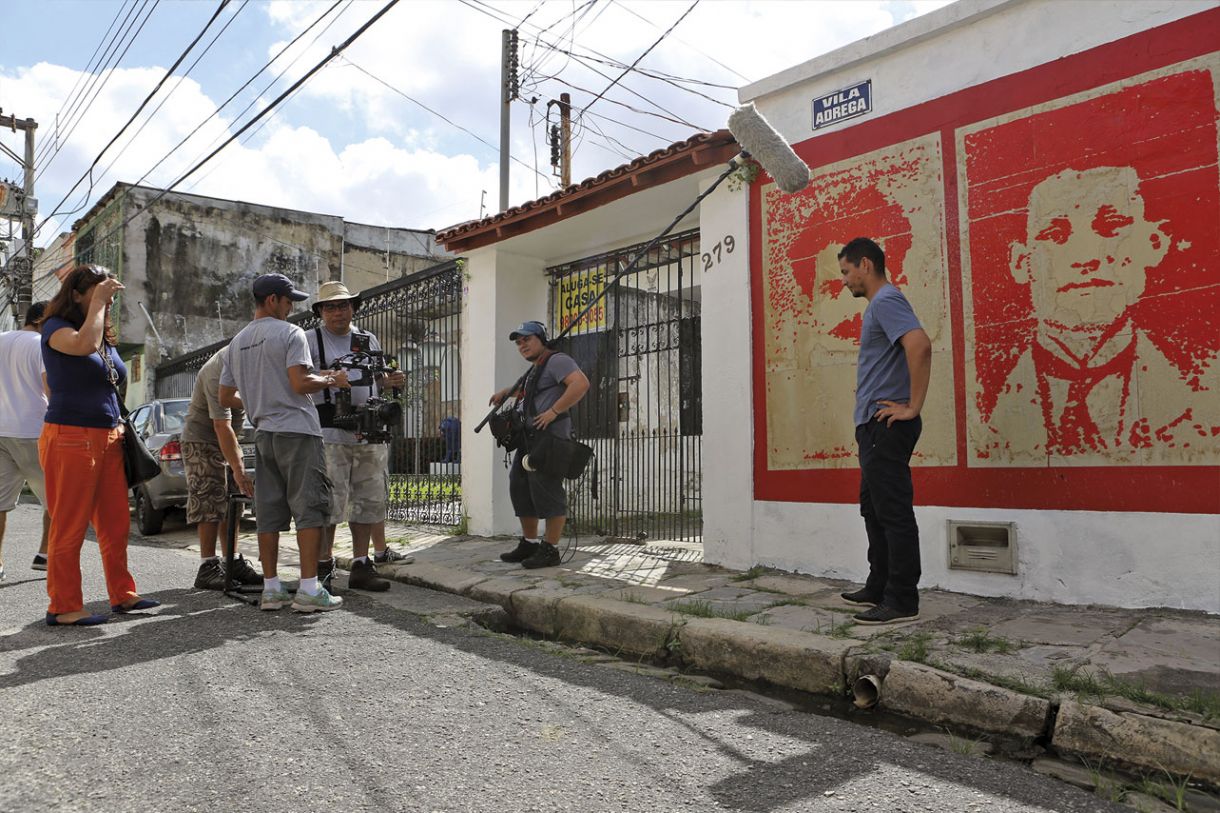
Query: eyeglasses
{"x": 336, "y": 306}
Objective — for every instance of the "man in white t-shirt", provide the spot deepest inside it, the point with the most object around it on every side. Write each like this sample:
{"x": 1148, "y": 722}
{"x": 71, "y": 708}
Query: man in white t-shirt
{"x": 358, "y": 469}
{"x": 23, "y": 403}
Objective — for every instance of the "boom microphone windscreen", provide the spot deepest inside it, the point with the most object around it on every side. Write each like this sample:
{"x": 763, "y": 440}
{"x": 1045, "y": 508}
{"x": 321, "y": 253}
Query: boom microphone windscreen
{"x": 757, "y": 137}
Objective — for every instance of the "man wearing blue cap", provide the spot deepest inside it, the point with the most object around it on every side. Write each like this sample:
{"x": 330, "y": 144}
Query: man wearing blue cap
{"x": 553, "y": 386}
{"x": 269, "y": 364}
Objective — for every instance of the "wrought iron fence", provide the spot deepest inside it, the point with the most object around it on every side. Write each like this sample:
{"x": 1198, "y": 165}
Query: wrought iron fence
{"x": 416, "y": 320}
{"x": 643, "y": 415}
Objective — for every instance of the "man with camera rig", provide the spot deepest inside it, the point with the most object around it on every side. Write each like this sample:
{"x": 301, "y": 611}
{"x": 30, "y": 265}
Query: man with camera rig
{"x": 268, "y": 362}
{"x": 357, "y": 461}
{"x": 553, "y": 386}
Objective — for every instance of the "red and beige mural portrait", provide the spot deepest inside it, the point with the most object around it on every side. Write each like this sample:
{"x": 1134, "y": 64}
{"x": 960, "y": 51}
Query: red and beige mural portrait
{"x": 1057, "y": 231}
{"x": 812, "y": 323}
{"x": 1091, "y": 276}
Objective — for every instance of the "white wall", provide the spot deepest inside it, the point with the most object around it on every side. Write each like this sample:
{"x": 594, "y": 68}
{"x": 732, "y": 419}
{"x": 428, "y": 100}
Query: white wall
{"x": 502, "y": 290}
{"x": 958, "y": 46}
{"x": 1064, "y": 556}
{"x": 728, "y": 424}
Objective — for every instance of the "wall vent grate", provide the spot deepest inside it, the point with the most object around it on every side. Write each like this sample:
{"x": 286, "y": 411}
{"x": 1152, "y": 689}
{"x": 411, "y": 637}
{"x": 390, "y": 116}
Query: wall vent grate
{"x": 989, "y": 547}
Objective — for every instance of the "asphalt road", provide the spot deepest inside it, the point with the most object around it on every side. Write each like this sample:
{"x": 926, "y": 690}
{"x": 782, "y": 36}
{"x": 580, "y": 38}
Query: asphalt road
{"x": 211, "y": 705}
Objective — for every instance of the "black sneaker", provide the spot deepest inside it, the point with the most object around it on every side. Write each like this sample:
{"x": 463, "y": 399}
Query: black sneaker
{"x": 523, "y": 551}
{"x": 884, "y": 614}
{"x": 326, "y": 574}
{"x": 364, "y": 577}
{"x": 545, "y": 556}
{"x": 244, "y": 572}
{"x": 40, "y": 562}
{"x": 211, "y": 575}
{"x": 861, "y": 597}
{"x": 390, "y": 556}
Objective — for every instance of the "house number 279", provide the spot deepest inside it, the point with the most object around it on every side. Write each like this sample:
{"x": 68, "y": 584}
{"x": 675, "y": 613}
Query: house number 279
{"x": 715, "y": 254}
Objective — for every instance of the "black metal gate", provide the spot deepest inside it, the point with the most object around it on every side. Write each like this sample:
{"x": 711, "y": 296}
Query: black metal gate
{"x": 641, "y": 350}
{"x": 417, "y": 320}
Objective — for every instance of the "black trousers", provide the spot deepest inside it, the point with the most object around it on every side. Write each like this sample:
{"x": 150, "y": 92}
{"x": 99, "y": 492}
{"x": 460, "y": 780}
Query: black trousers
{"x": 887, "y": 505}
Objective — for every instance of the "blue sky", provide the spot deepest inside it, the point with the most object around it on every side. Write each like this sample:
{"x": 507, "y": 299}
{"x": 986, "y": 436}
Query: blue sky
{"x": 351, "y": 142}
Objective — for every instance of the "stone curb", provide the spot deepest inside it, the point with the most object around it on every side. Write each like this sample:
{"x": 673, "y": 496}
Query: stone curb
{"x": 1138, "y": 740}
{"x": 818, "y": 664}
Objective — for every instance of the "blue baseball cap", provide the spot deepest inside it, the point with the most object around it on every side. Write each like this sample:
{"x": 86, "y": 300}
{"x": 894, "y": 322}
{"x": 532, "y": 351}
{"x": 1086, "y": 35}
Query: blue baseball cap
{"x": 278, "y": 285}
{"x": 530, "y": 328}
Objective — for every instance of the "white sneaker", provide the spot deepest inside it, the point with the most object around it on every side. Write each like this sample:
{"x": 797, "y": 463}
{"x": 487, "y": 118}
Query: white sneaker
{"x": 274, "y": 599}
{"x": 322, "y": 602}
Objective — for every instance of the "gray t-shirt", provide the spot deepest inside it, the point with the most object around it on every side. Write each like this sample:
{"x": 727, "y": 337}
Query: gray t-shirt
{"x": 882, "y": 374}
{"x": 334, "y": 347}
{"x": 549, "y": 389}
{"x": 205, "y": 404}
{"x": 257, "y": 365}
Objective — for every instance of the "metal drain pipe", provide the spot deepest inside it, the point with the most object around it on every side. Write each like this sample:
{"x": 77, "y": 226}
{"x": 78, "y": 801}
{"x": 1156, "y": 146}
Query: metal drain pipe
{"x": 866, "y": 691}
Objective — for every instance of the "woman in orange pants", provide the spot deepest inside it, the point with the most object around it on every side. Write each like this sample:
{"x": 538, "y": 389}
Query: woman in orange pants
{"x": 81, "y": 447}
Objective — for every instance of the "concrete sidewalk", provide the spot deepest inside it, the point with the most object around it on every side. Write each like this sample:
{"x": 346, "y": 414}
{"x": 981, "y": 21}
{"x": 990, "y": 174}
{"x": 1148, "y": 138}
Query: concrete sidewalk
{"x": 1138, "y": 689}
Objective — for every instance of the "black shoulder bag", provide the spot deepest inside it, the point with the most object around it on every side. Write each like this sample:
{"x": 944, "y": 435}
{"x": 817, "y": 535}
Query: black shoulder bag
{"x": 326, "y": 409}
{"x": 139, "y": 464}
{"x": 549, "y": 453}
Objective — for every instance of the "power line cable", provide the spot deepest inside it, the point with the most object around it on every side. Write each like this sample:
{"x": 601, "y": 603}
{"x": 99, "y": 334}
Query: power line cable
{"x": 334, "y": 52}
{"x": 250, "y": 81}
{"x": 166, "y": 97}
{"x": 104, "y": 74}
{"x": 437, "y": 113}
{"x": 80, "y": 77}
{"x": 647, "y": 51}
{"x": 639, "y": 16}
{"x": 220, "y": 8}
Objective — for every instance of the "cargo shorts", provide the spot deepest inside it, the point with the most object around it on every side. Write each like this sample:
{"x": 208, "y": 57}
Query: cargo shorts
{"x": 207, "y": 498}
{"x": 290, "y": 481}
{"x": 19, "y": 465}
{"x": 358, "y": 474}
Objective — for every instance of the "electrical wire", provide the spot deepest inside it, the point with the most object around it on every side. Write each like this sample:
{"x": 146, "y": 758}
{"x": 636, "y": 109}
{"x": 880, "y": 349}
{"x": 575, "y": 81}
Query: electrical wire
{"x": 647, "y": 51}
{"x": 88, "y": 173}
{"x": 334, "y": 52}
{"x": 639, "y": 16}
{"x": 438, "y": 114}
{"x": 77, "y": 115}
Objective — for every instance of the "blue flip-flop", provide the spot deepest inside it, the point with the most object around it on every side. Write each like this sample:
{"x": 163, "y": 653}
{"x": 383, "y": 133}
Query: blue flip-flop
{"x": 142, "y": 604}
{"x": 87, "y": 621}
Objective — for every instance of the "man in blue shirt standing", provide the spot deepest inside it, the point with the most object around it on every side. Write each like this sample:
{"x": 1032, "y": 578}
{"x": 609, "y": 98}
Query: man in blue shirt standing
{"x": 892, "y": 375}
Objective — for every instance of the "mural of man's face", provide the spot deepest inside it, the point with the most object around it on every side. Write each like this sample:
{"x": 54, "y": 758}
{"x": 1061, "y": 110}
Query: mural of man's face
{"x": 1088, "y": 246}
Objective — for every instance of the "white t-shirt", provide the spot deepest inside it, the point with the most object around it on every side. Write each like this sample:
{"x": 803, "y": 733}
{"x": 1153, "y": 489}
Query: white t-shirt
{"x": 23, "y": 403}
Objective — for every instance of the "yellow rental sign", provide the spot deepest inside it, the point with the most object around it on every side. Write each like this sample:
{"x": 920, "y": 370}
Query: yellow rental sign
{"x": 575, "y": 292}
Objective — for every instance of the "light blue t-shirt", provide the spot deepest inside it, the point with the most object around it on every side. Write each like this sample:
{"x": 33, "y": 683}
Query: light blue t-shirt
{"x": 882, "y": 373}
{"x": 257, "y": 365}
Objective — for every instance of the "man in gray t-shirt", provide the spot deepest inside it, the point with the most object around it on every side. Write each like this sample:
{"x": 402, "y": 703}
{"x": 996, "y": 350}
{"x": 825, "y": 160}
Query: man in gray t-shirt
{"x": 894, "y": 367}
{"x": 554, "y": 384}
{"x": 209, "y": 441}
{"x": 268, "y": 363}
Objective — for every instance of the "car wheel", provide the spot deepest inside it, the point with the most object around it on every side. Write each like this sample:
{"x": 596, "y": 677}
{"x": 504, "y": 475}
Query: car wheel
{"x": 148, "y": 519}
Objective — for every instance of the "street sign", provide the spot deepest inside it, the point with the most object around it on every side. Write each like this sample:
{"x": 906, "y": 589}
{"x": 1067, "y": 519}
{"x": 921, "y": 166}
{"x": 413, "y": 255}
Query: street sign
{"x": 847, "y": 103}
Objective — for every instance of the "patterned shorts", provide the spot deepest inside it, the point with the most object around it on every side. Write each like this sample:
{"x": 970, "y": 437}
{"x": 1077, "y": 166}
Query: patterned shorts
{"x": 207, "y": 497}
{"x": 359, "y": 474}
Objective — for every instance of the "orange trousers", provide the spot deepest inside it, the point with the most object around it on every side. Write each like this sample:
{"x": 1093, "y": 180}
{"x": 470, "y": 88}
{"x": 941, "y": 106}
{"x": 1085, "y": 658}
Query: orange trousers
{"x": 85, "y": 483}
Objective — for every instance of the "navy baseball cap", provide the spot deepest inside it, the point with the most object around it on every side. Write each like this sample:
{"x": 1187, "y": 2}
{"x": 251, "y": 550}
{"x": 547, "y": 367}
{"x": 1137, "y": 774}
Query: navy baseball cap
{"x": 279, "y": 285}
{"x": 529, "y": 329}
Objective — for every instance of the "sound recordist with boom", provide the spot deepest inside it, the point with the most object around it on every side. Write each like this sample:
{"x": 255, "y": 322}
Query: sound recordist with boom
{"x": 552, "y": 387}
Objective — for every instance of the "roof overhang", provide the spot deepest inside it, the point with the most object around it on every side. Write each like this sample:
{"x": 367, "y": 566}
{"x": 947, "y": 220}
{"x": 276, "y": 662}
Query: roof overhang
{"x": 658, "y": 168}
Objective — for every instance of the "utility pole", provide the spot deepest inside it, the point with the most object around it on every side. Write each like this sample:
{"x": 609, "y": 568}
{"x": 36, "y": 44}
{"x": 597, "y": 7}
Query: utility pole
{"x": 559, "y": 136}
{"x": 21, "y": 265}
{"x": 508, "y": 92}
{"x": 565, "y": 134}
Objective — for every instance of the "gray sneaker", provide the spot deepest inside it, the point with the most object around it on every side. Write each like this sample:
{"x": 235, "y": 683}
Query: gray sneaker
{"x": 40, "y": 562}
{"x": 389, "y": 556}
{"x": 274, "y": 599}
{"x": 320, "y": 603}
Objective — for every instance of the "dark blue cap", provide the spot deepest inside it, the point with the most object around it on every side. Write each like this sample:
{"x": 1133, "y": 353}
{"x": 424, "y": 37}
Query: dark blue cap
{"x": 279, "y": 285}
{"x": 529, "y": 329}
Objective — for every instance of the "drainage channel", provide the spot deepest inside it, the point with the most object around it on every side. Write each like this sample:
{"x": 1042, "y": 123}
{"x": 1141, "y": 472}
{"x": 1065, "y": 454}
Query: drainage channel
{"x": 1140, "y": 792}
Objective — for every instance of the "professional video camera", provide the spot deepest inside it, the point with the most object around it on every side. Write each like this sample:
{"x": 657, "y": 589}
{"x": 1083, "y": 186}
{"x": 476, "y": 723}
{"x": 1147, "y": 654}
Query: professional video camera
{"x": 375, "y": 418}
